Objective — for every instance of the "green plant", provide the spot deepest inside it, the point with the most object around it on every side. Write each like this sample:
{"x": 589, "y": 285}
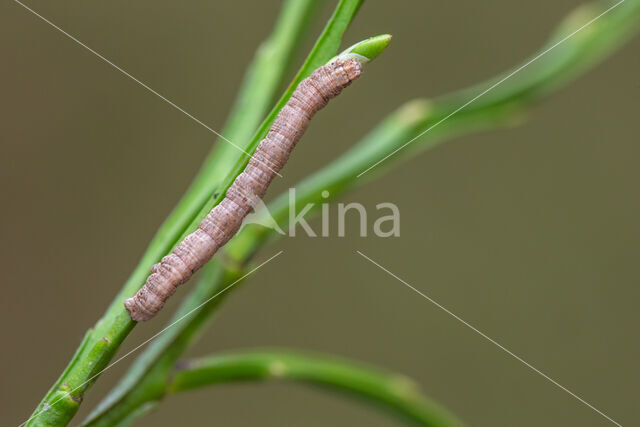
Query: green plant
{"x": 154, "y": 375}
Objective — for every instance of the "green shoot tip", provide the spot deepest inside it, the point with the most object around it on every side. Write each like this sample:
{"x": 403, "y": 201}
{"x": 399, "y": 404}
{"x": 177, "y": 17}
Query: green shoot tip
{"x": 366, "y": 50}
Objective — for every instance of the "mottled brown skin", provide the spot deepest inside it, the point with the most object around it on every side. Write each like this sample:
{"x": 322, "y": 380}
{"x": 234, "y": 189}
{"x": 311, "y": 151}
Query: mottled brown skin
{"x": 224, "y": 220}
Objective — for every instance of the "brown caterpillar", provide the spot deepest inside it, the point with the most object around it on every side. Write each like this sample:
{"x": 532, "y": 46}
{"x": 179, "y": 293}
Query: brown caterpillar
{"x": 224, "y": 220}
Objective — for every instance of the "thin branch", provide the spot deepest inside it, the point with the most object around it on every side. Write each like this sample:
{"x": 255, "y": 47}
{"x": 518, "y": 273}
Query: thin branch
{"x": 99, "y": 345}
{"x": 325, "y": 47}
{"x": 393, "y": 392}
{"x": 497, "y": 109}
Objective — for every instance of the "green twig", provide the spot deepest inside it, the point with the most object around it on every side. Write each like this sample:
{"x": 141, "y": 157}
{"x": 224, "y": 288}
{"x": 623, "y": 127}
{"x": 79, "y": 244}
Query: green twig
{"x": 259, "y": 86}
{"x": 129, "y": 394}
{"x": 325, "y": 47}
{"x": 393, "y": 392}
{"x": 497, "y": 108}
{"x": 416, "y": 119}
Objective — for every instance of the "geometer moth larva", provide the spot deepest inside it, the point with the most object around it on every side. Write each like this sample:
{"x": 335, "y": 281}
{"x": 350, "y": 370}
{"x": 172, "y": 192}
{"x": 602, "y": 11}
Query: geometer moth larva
{"x": 224, "y": 220}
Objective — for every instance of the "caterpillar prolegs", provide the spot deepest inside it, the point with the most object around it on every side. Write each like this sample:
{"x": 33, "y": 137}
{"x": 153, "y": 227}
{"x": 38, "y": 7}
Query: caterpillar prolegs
{"x": 224, "y": 220}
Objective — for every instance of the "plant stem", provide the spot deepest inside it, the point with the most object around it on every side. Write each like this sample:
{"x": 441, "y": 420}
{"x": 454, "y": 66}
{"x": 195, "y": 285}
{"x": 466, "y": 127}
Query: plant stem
{"x": 411, "y": 120}
{"x": 497, "y": 108}
{"x": 100, "y": 343}
{"x": 392, "y": 392}
{"x": 325, "y": 47}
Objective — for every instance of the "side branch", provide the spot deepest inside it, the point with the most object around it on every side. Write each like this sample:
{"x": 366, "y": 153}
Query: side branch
{"x": 393, "y": 392}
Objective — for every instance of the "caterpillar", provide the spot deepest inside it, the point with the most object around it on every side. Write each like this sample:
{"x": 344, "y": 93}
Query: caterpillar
{"x": 225, "y": 219}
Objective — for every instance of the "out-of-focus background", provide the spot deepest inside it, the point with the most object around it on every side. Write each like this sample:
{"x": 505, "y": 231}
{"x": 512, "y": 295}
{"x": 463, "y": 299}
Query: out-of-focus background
{"x": 529, "y": 233}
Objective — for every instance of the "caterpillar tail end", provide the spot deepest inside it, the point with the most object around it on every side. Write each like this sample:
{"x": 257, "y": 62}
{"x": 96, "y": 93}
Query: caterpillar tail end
{"x": 136, "y": 314}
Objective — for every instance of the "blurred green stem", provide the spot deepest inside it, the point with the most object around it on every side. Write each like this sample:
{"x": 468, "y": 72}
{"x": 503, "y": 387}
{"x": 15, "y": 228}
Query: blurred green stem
{"x": 497, "y": 108}
{"x": 502, "y": 106}
{"x": 393, "y": 392}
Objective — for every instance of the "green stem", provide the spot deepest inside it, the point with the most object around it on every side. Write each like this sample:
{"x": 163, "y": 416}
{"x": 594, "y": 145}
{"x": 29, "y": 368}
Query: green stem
{"x": 325, "y": 47}
{"x": 393, "y": 392}
{"x": 145, "y": 381}
{"x": 497, "y": 108}
{"x": 259, "y": 86}
{"x": 416, "y": 118}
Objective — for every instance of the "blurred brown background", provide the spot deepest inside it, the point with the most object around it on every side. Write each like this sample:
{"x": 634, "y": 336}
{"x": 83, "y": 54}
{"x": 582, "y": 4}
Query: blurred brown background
{"x": 530, "y": 234}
